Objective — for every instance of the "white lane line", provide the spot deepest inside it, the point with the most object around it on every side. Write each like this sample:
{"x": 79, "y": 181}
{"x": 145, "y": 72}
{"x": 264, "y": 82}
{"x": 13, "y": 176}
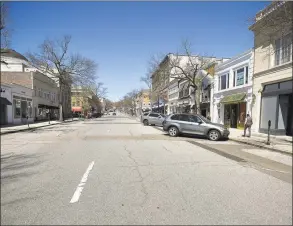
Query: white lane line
{"x": 80, "y": 186}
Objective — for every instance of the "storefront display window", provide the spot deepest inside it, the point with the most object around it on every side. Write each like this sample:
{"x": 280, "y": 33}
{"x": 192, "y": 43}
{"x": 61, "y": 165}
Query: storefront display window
{"x": 268, "y": 112}
{"x": 30, "y": 109}
{"x": 17, "y": 108}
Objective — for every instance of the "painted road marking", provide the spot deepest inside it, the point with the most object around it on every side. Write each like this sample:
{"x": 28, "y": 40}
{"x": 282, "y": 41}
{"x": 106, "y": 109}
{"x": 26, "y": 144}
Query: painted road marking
{"x": 80, "y": 186}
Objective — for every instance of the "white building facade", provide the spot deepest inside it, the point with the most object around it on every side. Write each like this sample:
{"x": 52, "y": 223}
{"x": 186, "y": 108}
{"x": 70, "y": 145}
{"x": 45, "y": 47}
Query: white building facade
{"x": 17, "y": 104}
{"x": 232, "y": 96}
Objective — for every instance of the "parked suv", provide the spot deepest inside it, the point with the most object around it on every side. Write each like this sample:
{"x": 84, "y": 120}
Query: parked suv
{"x": 194, "y": 124}
{"x": 151, "y": 118}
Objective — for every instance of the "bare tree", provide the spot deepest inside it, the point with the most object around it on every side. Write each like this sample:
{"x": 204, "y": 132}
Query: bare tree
{"x": 128, "y": 101}
{"x": 67, "y": 69}
{"x": 5, "y": 31}
{"x": 184, "y": 68}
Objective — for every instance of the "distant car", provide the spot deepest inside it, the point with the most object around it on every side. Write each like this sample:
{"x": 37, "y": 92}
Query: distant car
{"x": 97, "y": 115}
{"x": 152, "y": 118}
{"x": 176, "y": 124}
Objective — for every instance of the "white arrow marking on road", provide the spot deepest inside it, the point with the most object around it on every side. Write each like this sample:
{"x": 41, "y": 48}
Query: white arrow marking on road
{"x": 80, "y": 186}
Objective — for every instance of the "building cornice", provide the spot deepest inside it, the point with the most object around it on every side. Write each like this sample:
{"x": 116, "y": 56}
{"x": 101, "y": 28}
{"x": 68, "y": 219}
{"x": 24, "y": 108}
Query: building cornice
{"x": 274, "y": 69}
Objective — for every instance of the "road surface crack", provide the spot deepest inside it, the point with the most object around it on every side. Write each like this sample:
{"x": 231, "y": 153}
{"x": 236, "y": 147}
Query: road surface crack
{"x": 167, "y": 149}
{"x": 141, "y": 178}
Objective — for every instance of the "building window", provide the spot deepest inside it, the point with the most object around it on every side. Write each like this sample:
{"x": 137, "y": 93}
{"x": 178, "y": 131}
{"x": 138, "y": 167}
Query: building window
{"x": 283, "y": 50}
{"x": 246, "y": 74}
{"x": 17, "y": 108}
{"x": 40, "y": 92}
{"x": 35, "y": 91}
{"x": 240, "y": 76}
{"x": 224, "y": 81}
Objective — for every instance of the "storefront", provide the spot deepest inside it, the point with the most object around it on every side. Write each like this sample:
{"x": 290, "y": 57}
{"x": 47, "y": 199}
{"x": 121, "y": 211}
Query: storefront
{"x": 235, "y": 108}
{"x": 276, "y": 106}
{"x": 16, "y": 105}
{"x": 5, "y": 105}
{"x": 43, "y": 112}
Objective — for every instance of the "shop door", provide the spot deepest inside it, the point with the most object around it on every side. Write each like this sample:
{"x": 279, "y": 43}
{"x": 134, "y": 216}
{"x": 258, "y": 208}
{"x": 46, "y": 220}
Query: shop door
{"x": 3, "y": 117}
{"x": 234, "y": 114}
{"x": 289, "y": 127}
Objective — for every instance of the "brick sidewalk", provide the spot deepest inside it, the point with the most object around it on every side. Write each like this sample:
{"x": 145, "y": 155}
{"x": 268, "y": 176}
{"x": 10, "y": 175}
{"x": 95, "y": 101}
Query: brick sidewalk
{"x": 20, "y": 128}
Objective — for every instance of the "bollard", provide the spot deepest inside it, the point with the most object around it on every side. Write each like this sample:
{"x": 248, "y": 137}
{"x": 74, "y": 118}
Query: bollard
{"x": 49, "y": 118}
{"x": 269, "y": 130}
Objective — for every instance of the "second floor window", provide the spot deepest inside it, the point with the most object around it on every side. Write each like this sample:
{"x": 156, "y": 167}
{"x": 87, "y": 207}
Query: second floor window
{"x": 240, "y": 76}
{"x": 224, "y": 82}
{"x": 283, "y": 50}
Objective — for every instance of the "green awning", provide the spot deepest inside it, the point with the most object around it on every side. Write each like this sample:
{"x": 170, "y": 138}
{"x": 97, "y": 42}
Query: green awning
{"x": 234, "y": 98}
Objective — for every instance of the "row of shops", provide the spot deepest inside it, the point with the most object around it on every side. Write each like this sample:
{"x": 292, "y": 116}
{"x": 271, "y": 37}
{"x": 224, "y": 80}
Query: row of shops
{"x": 19, "y": 107}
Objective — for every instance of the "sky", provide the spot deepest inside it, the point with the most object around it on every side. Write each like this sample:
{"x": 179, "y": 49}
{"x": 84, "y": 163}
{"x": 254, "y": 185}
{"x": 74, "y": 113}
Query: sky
{"x": 122, "y": 36}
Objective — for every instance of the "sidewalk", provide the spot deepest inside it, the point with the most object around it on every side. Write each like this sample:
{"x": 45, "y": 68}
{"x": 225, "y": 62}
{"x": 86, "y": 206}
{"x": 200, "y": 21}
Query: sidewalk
{"x": 20, "y": 128}
{"x": 281, "y": 144}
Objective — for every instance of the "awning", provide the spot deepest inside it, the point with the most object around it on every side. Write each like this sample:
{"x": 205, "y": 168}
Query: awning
{"x": 76, "y": 109}
{"x": 4, "y": 101}
{"x": 234, "y": 98}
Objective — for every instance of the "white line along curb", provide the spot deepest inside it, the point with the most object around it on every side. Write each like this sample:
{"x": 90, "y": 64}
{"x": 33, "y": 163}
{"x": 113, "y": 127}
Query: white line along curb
{"x": 80, "y": 186}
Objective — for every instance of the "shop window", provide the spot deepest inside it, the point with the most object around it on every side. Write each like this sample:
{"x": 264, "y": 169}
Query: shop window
{"x": 283, "y": 111}
{"x": 17, "y": 108}
{"x": 286, "y": 85}
{"x": 30, "y": 109}
{"x": 268, "y": 112}
{"x": 271, "y": 87}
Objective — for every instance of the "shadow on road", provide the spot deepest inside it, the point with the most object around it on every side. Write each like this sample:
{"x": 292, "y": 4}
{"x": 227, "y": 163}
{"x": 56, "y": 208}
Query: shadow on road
{"x": 18, "y": 166}
{"x": 114, "y": 123}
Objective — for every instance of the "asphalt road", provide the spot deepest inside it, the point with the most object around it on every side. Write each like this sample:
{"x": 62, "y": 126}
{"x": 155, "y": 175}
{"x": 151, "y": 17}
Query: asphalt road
{"x": 113, "y": 170}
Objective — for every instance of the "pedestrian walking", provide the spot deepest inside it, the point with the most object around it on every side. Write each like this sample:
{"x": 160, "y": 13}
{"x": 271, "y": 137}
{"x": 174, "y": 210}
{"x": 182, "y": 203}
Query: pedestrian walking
{"x": 247, "y": 125}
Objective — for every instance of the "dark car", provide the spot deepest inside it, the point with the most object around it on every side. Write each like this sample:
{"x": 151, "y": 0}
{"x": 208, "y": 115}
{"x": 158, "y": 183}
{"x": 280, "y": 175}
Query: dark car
{"x": 97, "y": 115}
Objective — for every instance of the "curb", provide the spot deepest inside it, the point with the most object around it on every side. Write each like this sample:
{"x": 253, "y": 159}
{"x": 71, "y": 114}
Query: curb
{"x": 27, "y": 129}
{"x": 262, "y": 146}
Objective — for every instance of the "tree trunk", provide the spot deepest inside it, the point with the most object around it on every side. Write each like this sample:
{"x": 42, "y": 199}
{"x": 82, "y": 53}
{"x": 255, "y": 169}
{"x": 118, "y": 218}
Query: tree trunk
{"x": 60, "y": 103}
{"x": 197, "y": 101}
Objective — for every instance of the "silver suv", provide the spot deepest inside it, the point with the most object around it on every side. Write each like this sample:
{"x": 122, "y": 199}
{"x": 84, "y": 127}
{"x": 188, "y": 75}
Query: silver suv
{"x": 194, "y": 124}
{"x": 152, "y": 118}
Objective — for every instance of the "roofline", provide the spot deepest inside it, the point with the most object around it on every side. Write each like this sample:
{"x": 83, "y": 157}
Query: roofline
{"x": 250, "y": 51}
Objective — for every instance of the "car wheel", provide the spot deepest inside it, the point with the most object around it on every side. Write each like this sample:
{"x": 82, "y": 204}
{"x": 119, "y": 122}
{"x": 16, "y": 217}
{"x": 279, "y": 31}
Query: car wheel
{"x": 214, "y": 135}
{"x": 146, "y": 122}
{"x": 173, "y": 131}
